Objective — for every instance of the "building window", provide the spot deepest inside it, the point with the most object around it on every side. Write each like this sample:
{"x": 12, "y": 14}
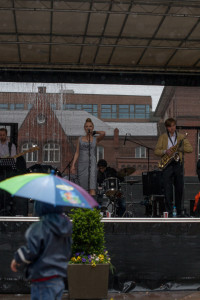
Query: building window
{"x": 140, "y": 152}
{"x": 30, "y": 105}
{"x": 125, "y": 111}
{"x": 141, "y": 111}
{"x": 31, "y": 156}
{"x": 90, "y": 108}
{"x": 53, "y": 106}
{"x": 3, "y": 106}
{"x": 51, "y": 153}
{"x": 100, "y": 152}
{"x": 108, "y": 111}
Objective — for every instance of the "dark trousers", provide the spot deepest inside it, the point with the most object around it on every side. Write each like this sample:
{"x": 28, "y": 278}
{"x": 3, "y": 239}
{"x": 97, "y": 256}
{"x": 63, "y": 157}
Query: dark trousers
{"x": 173, "y": 175}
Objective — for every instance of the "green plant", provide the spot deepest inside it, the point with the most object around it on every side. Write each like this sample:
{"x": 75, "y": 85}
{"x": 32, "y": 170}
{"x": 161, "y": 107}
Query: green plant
{"x": 88, "y": 237}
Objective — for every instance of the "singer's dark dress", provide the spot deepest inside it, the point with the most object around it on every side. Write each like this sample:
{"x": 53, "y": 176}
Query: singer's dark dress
{"x": 84, "y": 162}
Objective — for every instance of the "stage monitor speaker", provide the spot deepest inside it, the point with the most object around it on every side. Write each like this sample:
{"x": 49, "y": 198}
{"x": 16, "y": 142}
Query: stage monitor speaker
{"x": 152, "y": 183}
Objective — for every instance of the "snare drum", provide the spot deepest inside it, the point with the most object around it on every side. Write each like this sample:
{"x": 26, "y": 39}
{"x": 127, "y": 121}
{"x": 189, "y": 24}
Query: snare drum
{"x": 111, "y": 186}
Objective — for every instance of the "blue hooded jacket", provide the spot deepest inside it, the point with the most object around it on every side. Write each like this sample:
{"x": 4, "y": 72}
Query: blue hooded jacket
{"x": 48, "y": 247}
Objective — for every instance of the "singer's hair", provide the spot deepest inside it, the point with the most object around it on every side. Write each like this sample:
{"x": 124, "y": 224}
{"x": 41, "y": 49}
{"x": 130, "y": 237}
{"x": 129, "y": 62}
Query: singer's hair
{"x": 88, "y": 120}
{"x": 169, "y": 122}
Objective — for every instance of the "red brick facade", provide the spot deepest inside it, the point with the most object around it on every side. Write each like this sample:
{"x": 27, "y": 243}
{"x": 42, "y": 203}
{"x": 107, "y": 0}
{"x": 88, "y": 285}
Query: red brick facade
{"x": 182, "y": 103}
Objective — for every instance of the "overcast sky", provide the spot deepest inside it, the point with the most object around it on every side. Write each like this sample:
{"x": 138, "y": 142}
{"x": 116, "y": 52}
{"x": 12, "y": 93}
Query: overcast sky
{"x": 114, "y": 89}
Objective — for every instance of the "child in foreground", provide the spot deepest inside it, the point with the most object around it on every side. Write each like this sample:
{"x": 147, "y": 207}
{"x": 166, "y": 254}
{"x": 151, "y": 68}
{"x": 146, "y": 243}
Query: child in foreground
{"x": 46, "y": 253}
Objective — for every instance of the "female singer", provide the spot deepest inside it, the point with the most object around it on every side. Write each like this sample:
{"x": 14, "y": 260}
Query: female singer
{"x": 86, "y": 156}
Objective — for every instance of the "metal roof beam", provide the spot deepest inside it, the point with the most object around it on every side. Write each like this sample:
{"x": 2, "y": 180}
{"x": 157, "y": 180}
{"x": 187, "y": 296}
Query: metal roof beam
{"x": 98, "y": 36}
{"x": 152, "y": 38}
{"x": 181, "y": 43}
{"x": 102, "y": 77}
{"x": 99, "y": 45}
{"x": 86, "y": 28}
{"x": 16, "y": 31}
{"x": 120, "y": 33}
{"x": 176, "y": 3}
{"x": 102, "y": 35}
{"x": 103, "y": 12}
{"x": 50, "y": 35}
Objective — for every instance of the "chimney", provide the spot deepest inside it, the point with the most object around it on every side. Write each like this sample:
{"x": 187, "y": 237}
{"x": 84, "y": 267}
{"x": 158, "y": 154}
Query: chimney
{"x": 42, "y": 89}
{"x": 116, "y": 138}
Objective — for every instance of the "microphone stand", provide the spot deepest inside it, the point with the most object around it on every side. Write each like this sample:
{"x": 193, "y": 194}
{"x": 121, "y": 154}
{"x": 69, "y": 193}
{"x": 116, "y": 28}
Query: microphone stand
{"x": 183, "y": 195}
{"x": 148, "y": 149}
{"x": 89, "y": 165}
{"x": 69, "y": 167}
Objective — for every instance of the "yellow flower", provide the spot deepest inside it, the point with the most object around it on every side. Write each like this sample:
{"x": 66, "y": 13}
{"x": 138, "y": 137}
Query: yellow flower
{"x": 101, "y": 257}
{"x": 78, "y": 258}
{"x": 73, "y": 259}
{"x": 93, "y": 263}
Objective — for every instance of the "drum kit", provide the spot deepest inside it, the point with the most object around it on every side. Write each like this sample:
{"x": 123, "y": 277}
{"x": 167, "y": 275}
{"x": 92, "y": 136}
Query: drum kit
{"x": 110, "y": 192}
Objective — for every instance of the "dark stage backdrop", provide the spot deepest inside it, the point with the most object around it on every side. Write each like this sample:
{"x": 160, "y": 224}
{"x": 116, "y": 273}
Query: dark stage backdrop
{"x": 147, "y": 254}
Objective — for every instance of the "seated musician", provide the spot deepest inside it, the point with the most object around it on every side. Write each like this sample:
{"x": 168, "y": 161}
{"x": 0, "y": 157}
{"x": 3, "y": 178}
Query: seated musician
{"x": 105, "y": 172}
{"x": 168, "y": 144}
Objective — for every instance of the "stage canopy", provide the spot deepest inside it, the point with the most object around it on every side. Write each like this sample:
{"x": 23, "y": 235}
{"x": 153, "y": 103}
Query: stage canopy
{"x": 125, "y": 39}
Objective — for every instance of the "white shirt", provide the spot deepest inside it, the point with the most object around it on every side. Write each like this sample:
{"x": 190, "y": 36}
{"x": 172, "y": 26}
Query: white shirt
{"x": 173, "y": 140}
{"x": 4, "y": 150}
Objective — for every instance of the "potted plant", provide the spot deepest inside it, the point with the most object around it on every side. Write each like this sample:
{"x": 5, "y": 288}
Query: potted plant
{"x": 88, "y": 269}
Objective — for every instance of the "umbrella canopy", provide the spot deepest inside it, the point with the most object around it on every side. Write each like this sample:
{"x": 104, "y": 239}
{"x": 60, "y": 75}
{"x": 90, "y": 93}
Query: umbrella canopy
{"x": 48, "y": 188}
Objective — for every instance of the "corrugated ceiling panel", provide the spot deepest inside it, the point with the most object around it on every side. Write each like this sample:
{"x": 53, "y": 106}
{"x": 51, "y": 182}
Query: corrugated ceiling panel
{"x": 185, "y": 58}
{"x": 8, "y": 53}
{"x": 33, "y": 22}
{"x": 7, "y": 24}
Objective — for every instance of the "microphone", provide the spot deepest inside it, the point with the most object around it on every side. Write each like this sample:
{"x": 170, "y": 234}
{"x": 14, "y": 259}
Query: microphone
{"x": 88, "y": 130}
{"x": 125, "y": 139}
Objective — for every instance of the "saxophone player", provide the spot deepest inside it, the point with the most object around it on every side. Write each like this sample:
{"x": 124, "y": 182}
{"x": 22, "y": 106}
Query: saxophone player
{"x": 172, "y": 145}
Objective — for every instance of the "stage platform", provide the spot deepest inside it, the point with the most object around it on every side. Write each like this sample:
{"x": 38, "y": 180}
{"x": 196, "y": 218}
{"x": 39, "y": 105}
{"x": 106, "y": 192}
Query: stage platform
{"x": 148, "y": 254}
{"x": 172, "y": 295}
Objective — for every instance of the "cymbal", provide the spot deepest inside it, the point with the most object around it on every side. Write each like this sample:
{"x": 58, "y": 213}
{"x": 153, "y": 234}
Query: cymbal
{"x": 126, "y": 171}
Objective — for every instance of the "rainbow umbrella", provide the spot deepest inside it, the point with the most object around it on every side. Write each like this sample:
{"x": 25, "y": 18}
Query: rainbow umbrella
{"x": 48, "y": 188}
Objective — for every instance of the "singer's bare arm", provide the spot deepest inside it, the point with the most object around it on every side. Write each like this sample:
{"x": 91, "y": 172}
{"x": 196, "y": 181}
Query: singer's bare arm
{"x": 100, "y": 136}
{"x": 76, "y": 155}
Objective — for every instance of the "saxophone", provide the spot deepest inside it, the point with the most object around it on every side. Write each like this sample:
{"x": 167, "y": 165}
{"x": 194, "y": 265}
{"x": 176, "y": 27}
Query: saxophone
{"x": 166, "y": 160}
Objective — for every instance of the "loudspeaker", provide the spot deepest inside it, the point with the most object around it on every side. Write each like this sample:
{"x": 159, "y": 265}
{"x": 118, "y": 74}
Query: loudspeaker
{"x": 152, "y": 183}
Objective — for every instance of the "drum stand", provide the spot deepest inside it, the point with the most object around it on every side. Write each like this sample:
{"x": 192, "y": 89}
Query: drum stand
{"x": 112, "y": 201}
{"x": 130, "y": 210}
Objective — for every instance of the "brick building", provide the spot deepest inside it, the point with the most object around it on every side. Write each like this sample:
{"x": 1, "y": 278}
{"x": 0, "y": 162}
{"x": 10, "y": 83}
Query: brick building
{"x": 54, "y": 121}
{"x": 183, "y": 104}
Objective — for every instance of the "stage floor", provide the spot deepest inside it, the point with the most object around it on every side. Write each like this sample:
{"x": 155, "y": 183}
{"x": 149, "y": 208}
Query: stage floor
{"x": 180, "y": 295}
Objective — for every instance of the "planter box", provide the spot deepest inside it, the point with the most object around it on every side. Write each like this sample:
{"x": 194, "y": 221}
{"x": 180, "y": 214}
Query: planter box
{"x": 87, "y": 282}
